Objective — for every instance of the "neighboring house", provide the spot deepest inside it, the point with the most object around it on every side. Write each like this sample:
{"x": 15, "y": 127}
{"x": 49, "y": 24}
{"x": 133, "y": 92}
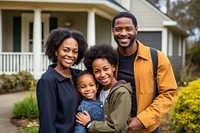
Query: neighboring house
{"x": 25, "y": 26}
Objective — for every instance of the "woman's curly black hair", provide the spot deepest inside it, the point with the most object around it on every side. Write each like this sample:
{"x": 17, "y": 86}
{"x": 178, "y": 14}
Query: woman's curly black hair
{"x": 57, "y": 36}
{"x": 104, "y": 51}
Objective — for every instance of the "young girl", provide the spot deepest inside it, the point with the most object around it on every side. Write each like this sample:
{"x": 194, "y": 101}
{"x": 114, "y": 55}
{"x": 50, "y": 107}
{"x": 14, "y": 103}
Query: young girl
{"x": 88, "y": 86}
{"x": 116, "y": 95}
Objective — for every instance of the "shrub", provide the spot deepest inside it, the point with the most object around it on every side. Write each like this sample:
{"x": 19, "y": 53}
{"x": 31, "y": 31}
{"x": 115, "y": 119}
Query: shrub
{"x": 186, "y": 111}
{"x": 27, "y": 108}
{"x": 16, "y": 82}
{"x": 32, "y": 130}
{"x": 192, "y": 70}
{"x": 32, "y": 127}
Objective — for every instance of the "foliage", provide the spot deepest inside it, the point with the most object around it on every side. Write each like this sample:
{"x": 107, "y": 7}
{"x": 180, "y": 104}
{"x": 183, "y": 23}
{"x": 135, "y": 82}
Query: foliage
{"x": 32, "y": 127}
{"x": 192, "y": 70}
{"x": 193, "y": 54}
{"x": 186, "y": 12}
{"x": 27, "y": 108}
{"x": 186, "y": 111}
{"x": 16, "y": 82}
{"x": 32, "y": 130}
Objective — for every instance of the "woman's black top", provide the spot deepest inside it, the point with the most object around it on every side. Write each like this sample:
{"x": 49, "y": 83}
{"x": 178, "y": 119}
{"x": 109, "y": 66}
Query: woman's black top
{"x": 58, "y": 100}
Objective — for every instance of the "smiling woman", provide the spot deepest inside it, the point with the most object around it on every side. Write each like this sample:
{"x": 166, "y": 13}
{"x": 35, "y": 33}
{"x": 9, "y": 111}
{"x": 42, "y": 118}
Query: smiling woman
{"x": 56, "y": 89}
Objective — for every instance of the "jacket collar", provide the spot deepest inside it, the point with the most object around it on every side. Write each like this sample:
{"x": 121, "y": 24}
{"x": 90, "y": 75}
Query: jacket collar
{"x": 142, "y": 51}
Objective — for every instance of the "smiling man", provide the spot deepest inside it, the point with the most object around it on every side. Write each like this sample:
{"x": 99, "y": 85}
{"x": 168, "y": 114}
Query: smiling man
{"x": 135, "y": 66}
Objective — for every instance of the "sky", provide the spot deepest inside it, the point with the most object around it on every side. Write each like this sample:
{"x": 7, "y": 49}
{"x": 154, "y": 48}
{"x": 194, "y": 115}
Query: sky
{"x": 163, "y": 4}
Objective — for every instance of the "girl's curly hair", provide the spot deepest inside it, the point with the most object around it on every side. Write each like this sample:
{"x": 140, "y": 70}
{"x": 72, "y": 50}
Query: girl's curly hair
{"x": 57, "y": 36}
{"x": 105, "y": 51}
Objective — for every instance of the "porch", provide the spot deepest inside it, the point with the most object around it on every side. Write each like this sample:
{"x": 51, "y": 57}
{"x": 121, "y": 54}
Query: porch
{"x": 14, "y": 62}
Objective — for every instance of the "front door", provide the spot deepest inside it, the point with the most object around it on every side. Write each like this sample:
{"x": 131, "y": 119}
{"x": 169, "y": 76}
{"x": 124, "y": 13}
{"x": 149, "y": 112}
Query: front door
{"x": 27, "y": 31}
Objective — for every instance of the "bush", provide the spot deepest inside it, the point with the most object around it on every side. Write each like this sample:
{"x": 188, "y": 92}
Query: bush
{"x": 32, "y": 127}
{"x": 27, "y": 108}
{"x": 192, "y": 70}
{"x": 186, "y": 111}
{"x": 16, "y": 82}
{"x": 32, "y": 130}
{"x": 193, "y": 54}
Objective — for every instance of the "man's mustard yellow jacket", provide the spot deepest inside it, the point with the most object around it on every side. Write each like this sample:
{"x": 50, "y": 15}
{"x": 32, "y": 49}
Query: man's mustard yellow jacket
{"x": 149, "y": 110}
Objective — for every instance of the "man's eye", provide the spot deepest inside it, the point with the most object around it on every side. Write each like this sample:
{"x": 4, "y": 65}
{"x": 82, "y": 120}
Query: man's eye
{"x": 117, "y": 29}
{"x": 129, "y": 29}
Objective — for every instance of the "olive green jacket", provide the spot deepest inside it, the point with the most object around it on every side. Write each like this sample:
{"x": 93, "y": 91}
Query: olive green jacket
{"x": 117, "y": 108}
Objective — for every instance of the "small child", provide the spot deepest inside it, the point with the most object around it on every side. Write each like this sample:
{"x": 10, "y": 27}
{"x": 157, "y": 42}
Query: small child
{"x": 87, "y": 86}
{"x": 101, "y": 60}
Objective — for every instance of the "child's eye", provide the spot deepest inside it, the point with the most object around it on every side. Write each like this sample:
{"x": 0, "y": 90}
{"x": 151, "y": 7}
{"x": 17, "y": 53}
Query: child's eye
{"x": 82, "y": 86}
{"x": 92, "y": 84}
{"x": 96, "y": 72}
{"x": 106, "y": 68}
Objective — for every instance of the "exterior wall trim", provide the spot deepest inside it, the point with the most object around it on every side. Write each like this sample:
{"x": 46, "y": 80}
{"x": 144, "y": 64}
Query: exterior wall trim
{"x": 163, "y": 39}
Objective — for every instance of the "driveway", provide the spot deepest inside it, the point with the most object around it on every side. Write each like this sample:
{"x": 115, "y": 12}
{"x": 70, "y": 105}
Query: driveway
{"x": 7, "y": 102}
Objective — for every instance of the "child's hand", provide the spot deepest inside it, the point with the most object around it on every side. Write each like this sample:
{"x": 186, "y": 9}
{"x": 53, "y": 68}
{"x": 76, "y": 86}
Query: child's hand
{"x": 83, "y": 119}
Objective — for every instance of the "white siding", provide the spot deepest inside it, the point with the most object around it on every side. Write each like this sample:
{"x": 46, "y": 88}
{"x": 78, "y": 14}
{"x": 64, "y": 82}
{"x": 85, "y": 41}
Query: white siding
{"x": 146, "y": 14}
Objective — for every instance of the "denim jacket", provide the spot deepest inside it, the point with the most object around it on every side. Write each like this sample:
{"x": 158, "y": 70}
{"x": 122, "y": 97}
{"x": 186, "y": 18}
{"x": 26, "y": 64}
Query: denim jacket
{"x": 94, "y": 108}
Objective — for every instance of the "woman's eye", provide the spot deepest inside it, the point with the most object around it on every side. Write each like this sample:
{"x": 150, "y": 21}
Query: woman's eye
{"x": 75, "y": 52}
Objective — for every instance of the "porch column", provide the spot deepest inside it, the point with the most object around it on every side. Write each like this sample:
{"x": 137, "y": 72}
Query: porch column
{"x": 184, "y": 52}
{"x": 1, "y": 30}
{"x": 91, "y": 28}
{"x": 37, "y": 40}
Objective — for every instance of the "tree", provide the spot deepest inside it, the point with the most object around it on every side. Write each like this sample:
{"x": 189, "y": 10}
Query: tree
{"x": 186, "y": 12}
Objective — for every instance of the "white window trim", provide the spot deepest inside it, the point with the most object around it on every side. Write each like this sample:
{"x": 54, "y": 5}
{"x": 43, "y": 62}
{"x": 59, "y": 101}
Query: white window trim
{"x": 179, "y": 47}
{"x": 163, "y": 37}
{"x": 170, "y": 49}
{"x": 26, "y": 19}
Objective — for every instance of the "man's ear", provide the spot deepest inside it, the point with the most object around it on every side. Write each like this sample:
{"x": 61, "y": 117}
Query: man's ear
{"x": 136, "y": 30}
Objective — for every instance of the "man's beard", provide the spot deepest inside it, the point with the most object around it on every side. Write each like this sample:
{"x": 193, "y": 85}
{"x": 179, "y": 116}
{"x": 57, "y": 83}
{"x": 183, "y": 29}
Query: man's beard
{"x": 131, "y": 41}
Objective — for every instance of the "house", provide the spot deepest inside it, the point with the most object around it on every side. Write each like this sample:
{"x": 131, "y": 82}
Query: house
{"x": 25, "y": 26}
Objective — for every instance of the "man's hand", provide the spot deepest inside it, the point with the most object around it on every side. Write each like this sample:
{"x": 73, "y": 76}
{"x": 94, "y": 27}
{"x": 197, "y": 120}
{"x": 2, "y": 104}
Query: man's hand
{"x": 83, "y": 119}
{"x": 135, "y": 125}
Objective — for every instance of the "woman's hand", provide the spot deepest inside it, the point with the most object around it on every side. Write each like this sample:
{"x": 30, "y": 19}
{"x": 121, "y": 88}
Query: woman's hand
{"x": 83, "y": 119}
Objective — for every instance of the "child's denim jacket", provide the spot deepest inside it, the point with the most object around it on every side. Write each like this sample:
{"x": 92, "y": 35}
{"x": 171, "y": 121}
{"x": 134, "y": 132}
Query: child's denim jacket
{"x": 94, "y": 108}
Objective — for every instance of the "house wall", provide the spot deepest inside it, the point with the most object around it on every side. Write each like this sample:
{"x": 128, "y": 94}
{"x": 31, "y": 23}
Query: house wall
{"x": 147, "y": 16}
{"x": 7, "y": 17}
{"x": 78, "y": 20}
{"x": 176, "y": 59}
{"x": 103, "y": 30}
